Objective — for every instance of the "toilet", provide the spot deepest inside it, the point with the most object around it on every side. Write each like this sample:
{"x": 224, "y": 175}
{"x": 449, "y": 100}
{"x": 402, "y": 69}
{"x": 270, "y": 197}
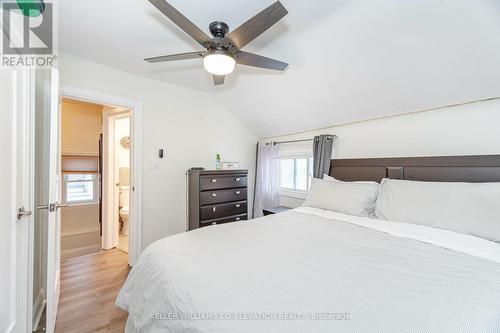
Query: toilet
{"x": 124, "y": 210}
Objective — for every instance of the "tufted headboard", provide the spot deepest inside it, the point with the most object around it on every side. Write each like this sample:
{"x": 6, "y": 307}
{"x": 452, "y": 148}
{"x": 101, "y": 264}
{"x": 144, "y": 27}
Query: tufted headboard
{"x": 474, "y": 168}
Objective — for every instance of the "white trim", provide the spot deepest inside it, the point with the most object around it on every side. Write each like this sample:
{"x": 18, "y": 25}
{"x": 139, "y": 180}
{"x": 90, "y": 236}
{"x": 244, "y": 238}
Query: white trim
{"x": 30, "y": 183}
{"x": 111, "y": 195}
{"x": 81, "y": 231}
{"x": 88, "y": 95}
{"x": 108, "y": 189}
{"x": 80, "y": 251}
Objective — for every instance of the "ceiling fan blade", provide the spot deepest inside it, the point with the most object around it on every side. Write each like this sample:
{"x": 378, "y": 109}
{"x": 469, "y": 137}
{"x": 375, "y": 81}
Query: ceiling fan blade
{"x": 255, "y": 26}
{"x": 173, "y": 57}
{"x": 255, "y": 60}
{"x": 182, "y": 22}
{"x": 218, "y": 79}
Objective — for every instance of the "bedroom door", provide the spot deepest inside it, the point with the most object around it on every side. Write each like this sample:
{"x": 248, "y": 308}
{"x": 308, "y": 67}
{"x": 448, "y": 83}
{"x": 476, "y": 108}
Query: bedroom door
{"x": 47, "y": 182}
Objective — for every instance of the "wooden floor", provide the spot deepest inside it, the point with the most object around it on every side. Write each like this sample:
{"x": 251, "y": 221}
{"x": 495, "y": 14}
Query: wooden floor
{"x": 89, "y": 286}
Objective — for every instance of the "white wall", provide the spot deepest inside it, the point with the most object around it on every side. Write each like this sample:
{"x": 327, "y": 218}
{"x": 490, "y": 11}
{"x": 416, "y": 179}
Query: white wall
{"x": 122, "y": 155}
{"x": 189, "y": 125}
{"x": 464, "y": 130}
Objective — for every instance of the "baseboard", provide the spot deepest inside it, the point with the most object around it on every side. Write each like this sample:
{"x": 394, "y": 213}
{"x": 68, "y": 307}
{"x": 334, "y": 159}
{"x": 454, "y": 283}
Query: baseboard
{"x": 38, "y": 307}
{"x": 80, "y": 231}
{"x": 80, "y": 251}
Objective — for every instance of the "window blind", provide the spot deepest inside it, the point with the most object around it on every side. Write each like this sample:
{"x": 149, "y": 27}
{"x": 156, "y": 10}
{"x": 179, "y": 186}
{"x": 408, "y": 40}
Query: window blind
{"x": 80, "y": 164}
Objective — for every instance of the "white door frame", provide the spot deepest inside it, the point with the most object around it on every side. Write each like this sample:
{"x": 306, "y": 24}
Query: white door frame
{"x": 54, "y": 196}
{"x": 110, "y": 195}
{"x": 93, "y": 96}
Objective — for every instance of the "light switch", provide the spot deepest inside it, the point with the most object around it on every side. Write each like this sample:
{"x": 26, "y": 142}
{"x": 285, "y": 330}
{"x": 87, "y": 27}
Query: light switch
{"x": 155, "y": 165}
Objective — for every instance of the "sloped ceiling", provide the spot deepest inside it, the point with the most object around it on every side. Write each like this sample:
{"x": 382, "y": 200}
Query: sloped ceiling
{"x": 349, "y": 60}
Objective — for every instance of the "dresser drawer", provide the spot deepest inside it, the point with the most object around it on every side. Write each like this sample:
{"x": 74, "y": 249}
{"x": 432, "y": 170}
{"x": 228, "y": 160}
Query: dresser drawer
{"x": 220, "y": 182}
{"x": 234, "y": 218}
{"x": 222, "y": 210}
{"x": 218, "y": 196}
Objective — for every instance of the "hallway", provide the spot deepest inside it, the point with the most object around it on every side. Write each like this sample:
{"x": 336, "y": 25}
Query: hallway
{"x": 89, "y": 286}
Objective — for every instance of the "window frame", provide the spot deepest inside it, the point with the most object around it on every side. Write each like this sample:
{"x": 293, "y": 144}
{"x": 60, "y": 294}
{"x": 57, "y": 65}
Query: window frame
{"x": 293, "y": 192}
{"x": 64, "y": 193}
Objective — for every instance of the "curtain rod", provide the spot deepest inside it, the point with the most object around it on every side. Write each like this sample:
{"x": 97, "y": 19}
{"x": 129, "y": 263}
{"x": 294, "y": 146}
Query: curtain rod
{"x": 302, "y": 140}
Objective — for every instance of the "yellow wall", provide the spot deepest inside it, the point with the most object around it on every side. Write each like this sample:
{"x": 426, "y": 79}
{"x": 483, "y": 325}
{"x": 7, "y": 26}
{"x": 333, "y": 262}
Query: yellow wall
{"x": 81, "y": 126}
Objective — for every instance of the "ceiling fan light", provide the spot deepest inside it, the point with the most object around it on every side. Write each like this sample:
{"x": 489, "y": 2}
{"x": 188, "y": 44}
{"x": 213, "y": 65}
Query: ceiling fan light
{"x": 219, "y": 63}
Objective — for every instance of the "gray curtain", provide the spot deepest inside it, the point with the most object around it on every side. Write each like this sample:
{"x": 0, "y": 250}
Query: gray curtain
{"x": 322, "y": 154}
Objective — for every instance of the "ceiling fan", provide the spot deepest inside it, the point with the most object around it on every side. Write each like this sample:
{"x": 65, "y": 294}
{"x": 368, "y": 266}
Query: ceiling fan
{"x": 223, "y": 51}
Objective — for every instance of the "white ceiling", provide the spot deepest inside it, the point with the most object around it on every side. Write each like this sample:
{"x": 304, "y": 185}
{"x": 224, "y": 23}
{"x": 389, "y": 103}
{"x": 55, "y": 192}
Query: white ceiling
{"x": 349, "y": 60}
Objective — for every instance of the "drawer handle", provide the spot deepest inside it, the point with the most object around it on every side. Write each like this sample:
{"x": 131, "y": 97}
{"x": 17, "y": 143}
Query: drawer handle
{"x": 214, "y": 180}
{"x": 214, "y": 209}
{"x": 238, "y": 218}
{"x": 214, "y": 195}
{"x": 237, "y": 179}
{"x": 238, "y": 192}
{"x": 238, "y": 206}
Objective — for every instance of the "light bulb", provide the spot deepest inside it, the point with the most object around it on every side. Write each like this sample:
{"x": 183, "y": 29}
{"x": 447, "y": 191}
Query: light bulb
{"x": 219, "y": 63}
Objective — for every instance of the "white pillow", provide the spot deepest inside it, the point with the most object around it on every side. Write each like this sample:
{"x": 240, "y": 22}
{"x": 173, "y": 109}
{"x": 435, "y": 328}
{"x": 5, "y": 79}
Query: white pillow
{"x": 468, "y": 208}
{"x": 332, "y": 179}
{"x": 343, "y": 197}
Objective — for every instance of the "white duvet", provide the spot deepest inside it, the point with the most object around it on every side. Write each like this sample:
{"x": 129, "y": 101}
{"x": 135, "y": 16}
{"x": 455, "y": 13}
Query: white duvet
{"x": 310, "y": 270}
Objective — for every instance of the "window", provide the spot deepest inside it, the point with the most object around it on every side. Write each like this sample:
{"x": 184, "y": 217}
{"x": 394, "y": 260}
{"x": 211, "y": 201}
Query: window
{"x": 80, "y": 188}
{"x": 295, "y": 175}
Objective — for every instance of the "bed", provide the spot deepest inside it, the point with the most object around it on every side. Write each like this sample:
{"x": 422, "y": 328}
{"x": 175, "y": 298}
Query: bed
{"x": 313, "y": 270}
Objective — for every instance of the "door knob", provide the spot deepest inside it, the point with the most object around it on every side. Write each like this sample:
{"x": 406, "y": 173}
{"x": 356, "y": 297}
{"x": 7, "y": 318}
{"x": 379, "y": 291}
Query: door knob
{"x": 22, "y": 213}
{"x": 52, "y": 207}
{"x": 49, "y": 207}
{"x": 61, "y": 205}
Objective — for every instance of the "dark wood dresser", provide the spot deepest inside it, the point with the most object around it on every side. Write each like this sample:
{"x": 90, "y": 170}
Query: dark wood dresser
{"x": 216, "y": 197}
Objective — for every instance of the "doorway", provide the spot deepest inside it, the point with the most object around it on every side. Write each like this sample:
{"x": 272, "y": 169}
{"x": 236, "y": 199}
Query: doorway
{"x": 120, "y": 114}
{"x": 135, "y": 188}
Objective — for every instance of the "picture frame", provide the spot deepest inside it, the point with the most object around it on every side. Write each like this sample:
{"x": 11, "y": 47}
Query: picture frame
{"x": 230, "y": 165}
